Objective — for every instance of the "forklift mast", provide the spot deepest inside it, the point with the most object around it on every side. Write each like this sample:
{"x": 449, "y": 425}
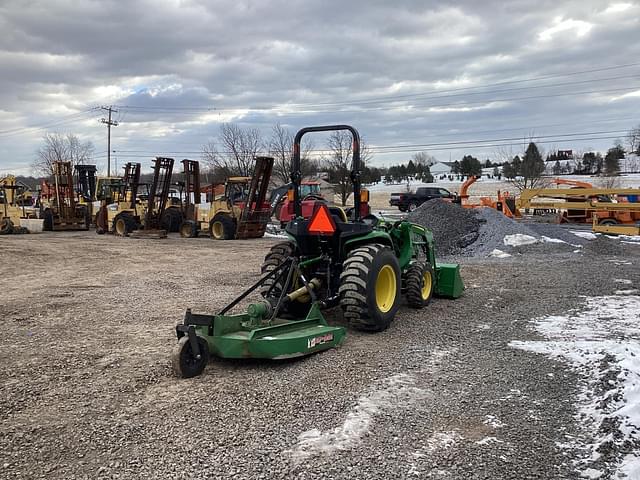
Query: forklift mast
{"x": 159, "y": 192}
{"x": 256, "y": 212}
{"x": 86, "y": 181}
{"x": 63, "y": 190}
{"x": 131, "y": 182}
{"x": 191, "y": 186}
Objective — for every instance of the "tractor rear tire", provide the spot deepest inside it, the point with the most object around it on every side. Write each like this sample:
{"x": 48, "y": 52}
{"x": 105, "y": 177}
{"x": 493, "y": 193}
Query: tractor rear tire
{"x": 222, "y": 227}
{"x": 184, "y": 362}
{"x": 272, "y": 288}
{"x": 171, "y": 220}
{"x": 370, "y": 287}
{"x": 419, "y": 283}
{"x": 188, "y": 229}
{"x": 124, "y": 224}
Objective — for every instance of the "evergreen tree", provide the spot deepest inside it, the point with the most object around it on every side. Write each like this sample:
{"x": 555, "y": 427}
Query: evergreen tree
{"x": 557, "y": 168}
{"x": 470, "y": 166}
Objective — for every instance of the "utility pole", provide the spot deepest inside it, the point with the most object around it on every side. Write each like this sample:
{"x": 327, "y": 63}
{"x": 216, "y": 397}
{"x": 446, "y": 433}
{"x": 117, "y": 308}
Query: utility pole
{"x": 110, "y": 124}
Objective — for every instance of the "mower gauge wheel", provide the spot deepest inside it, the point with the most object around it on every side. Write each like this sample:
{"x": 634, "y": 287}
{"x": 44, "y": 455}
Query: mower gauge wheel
{"x": 185, "y": 363}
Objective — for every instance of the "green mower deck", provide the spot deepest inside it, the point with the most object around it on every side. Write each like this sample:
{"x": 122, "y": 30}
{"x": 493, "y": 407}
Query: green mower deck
{"x": 250, "y": 335}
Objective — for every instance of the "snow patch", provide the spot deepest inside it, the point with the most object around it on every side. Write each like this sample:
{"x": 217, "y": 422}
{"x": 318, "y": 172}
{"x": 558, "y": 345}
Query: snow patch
{"x": 396, "y": 392}
{"x": 632, "y": 291}
{"x": 585, "y": 235}
{"x": 602, "y": 343}
{"x": 488, "y": 440}
{"x": 553, "y": 240}
{"x": 518, "y": 239}
{"x": 624, "y": 281}
{"x": 499, "y": 253}
{"x": 275, "y": 235}
{"x": 493, "y": 421}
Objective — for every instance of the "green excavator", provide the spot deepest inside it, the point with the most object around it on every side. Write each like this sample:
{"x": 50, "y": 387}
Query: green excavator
{"x": 363, "y": 264}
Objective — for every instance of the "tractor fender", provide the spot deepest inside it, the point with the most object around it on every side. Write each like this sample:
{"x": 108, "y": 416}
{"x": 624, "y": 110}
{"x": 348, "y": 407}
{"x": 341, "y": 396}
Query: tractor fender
{"x": 375, "y": 236}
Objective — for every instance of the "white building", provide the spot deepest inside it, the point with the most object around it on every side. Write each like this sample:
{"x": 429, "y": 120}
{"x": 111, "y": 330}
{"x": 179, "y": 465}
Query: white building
{"x": 440, "y": 168}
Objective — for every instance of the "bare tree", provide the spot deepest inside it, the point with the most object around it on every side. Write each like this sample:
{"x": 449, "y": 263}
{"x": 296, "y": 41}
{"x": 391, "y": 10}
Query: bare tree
{"x": 423, "y": 158}
{"x": 338, "y": 162}
{"x": 234, "y": 152}
{"x": 280, "y": 145}
{"x": 633, "y": 140}
{"x": 61, "y": 148}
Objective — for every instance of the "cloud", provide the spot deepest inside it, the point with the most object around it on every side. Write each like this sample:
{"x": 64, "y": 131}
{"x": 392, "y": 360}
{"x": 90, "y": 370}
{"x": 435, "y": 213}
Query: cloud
{"x": 190, "y": 65}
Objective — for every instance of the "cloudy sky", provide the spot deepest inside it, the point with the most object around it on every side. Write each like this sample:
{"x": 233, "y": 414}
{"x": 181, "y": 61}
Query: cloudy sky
{"x": 445, "y": 77}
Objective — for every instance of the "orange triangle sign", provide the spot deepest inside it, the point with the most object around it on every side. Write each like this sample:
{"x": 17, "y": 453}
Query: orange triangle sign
{"x": 321, "y": 222}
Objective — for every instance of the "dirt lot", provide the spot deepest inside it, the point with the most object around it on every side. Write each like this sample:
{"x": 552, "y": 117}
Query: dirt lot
{"x": 87, "y": 391}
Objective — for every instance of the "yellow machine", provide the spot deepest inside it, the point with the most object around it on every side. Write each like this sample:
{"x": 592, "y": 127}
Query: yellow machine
{"x": 610, "y": 206}
{"x": 129, "y": 212}
{"x": 618, "y": 229}
{"x": 241, "y": 212}
{"x": 14, "y": 212}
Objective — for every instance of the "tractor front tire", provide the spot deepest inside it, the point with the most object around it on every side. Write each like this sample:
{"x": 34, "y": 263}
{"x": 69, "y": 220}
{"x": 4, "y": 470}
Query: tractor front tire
{"x": 222, "y": 227}
{"x": 185, "y": 363}
{"x": 188, "y": 229}
{"x": 419, "y": 283}
{"x": 272, "y": 288}
{"x": 124, "y": 224}
{"x": 370, "y": 287}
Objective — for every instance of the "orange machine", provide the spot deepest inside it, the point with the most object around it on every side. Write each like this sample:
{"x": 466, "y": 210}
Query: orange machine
{"x": 505, "y": 202}
{"x": 582, "y": 201}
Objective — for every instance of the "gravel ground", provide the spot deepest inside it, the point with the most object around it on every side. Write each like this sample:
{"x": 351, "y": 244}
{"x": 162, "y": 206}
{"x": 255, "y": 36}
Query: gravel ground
{"x": 87, "y": 391}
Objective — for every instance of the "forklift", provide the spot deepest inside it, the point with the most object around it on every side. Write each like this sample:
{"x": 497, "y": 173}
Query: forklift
{"x": 58, "y": 203}
{"x": 362, "y": 264}
{"x": 241, "y": 212}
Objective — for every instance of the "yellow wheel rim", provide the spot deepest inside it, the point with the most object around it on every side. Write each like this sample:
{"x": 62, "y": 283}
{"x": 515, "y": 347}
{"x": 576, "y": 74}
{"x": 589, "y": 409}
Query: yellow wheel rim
{"x": 121, "y": 228}
{"x": 217, "y": 229}
{"x": 386, "y": 288}
{"x": 427, "y": 283}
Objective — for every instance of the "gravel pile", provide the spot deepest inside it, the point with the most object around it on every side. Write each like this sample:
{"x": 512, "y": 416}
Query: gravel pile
{"x": 494, "y": 226}
{"x": 454, "y": 228}
{"x": 478, "y": 232}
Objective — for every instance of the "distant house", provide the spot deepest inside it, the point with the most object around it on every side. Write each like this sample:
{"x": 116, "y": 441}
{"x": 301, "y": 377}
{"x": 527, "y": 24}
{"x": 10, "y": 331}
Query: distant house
{"x": 440, "y": 168}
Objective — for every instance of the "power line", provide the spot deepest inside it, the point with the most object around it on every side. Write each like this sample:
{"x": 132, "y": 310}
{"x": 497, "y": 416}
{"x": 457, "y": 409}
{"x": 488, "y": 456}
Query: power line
{"x": 71, "y": 118}
{"x": 285, "y": 108}
{"x": 398, "y": 148}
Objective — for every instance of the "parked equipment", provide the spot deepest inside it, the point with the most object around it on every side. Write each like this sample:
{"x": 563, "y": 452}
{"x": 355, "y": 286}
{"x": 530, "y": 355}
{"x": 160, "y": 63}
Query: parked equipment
{"x": 14, "y": 214}
{"x": 241, "y": 212}
{"x": 58, "y": 202}
{"x": 579, "y": 204}
{"x": 505, "y": 203}
{"x": 362, "y": 264}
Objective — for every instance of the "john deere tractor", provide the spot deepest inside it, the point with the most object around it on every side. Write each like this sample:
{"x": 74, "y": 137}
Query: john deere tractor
{"x": 363, "y": 264}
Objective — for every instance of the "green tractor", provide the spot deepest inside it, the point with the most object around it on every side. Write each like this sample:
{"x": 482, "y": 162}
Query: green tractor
{"x": 362, "y": 264}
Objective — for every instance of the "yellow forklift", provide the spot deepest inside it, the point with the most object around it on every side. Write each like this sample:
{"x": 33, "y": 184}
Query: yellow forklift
{"x": 241, "y": 212}
{"x": 132, "y": 212}
{"x": 14, "y": 212}
{"x": 58, "y": 203}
